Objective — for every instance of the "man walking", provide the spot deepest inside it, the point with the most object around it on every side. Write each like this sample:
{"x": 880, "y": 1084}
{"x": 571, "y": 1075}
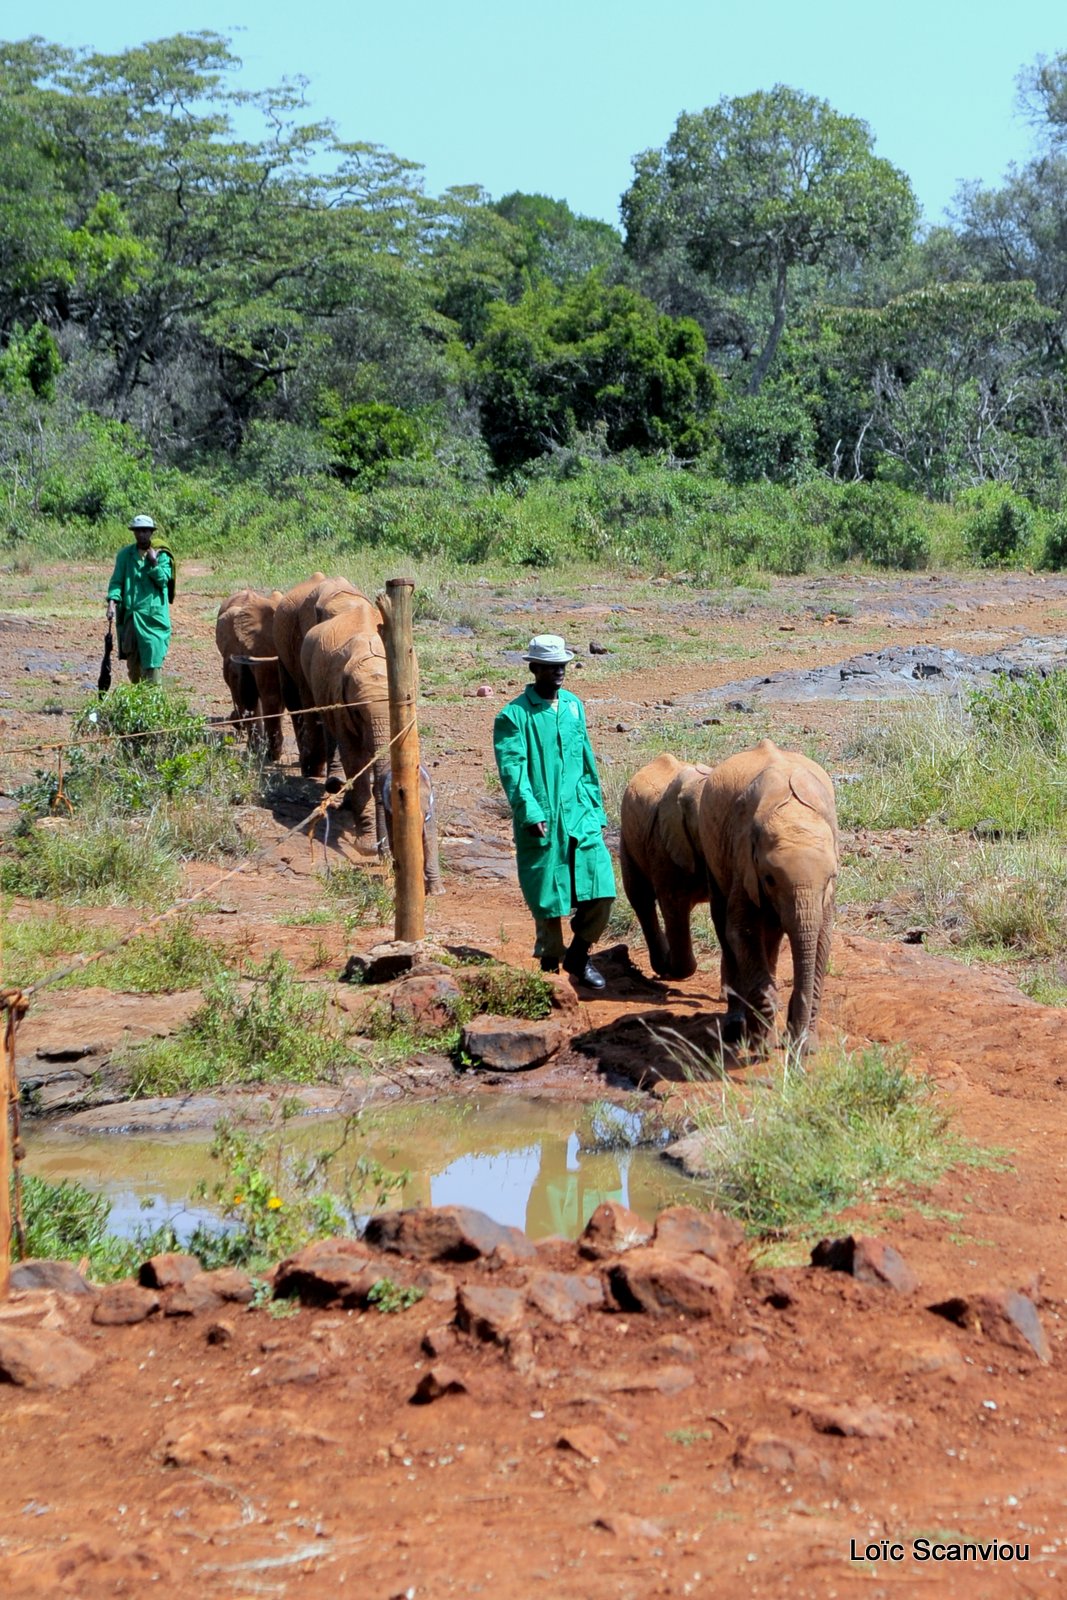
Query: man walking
{"x": 547, "y": 769}
{"x": 138, "y": 598}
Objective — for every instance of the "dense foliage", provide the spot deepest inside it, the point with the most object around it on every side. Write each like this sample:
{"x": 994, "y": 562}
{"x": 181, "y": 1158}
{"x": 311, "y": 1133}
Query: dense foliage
{"x": 191, "y": 316}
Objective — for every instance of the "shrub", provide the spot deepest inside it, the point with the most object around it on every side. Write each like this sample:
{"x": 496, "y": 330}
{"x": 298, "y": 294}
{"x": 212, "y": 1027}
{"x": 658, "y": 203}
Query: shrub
{"x": 1054, "y": 555}
{"x": 876, "y": 522}
{"x": 998, "y": 525}
{"x": 767, "y": 436}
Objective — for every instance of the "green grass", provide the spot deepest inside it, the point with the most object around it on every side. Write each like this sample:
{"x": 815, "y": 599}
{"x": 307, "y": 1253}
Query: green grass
{"x": 362, "y": 899}
{"x": 91, "y": 860}
{"x": 269, "y": 1029}
{"x": 35, "y": 945}
{"x": 841, "y": 1128}
{"x": 174, "y": 958}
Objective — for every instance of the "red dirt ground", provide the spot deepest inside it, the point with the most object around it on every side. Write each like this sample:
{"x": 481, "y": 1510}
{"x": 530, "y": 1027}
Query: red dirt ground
{"x": 306, "y": 1472}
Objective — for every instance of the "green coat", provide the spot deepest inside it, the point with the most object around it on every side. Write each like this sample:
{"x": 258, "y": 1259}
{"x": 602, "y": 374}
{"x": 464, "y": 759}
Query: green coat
{"x": 547, "y": 769}
{"x": 140, "y": 593}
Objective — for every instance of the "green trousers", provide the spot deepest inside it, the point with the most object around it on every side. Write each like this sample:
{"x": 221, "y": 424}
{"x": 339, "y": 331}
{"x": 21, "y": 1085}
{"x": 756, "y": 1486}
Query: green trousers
{"x": 588, "y": 921}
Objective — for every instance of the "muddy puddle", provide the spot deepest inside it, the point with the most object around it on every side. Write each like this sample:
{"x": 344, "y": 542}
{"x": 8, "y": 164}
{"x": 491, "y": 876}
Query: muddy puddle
{"x": 541, "y": 1166}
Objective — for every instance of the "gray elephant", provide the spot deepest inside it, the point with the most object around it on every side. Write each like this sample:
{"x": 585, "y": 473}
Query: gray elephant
{"x": 768, "y": 833}
{"x": 661, "y": 861}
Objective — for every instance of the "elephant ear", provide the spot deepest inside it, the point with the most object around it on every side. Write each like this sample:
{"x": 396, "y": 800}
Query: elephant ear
{"x": 808, "y": 790}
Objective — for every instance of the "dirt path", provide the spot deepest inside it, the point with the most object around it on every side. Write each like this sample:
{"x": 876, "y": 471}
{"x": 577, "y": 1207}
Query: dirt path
{"x": 287, "y": 1459}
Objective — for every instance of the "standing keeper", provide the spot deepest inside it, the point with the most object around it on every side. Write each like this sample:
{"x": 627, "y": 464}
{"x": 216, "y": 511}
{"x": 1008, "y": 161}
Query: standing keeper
{"x": 549, "y": 775}
{"x": 138, "y": 598}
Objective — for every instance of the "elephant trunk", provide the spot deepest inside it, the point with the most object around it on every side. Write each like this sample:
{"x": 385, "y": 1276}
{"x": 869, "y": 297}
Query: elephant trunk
{"x": 804, "y": 928}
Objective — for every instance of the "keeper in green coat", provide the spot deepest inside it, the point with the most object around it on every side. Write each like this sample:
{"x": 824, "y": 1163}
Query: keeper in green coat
{"x": 549, "y": 775}
{"x": 138, "y": 599}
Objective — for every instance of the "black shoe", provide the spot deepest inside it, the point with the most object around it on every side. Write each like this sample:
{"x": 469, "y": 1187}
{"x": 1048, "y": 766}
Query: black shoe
{"x": 578, "y": 964}
{"x": 549, "y": 966}
{"x": 589, "y": 976}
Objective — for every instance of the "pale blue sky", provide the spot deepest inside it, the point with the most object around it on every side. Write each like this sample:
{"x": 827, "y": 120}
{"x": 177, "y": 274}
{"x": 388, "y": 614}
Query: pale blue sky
{"x": 557, "y": 97}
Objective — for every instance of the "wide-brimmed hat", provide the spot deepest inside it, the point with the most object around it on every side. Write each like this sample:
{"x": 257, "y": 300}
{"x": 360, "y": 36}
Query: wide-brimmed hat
{"x": 548, "y": 648}
{"x": 142, "y": 522}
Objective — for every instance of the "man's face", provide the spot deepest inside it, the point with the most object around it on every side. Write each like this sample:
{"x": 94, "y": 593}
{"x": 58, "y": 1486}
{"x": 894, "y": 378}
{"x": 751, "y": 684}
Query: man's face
{"x": 548, "y": 677}
{"x": 143, "y": 537}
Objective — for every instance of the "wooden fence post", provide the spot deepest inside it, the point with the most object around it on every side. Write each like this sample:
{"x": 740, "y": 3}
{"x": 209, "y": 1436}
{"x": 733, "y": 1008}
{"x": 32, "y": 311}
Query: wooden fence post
{"x": 409, "y": 922}
{"x": 7, "y": 1088}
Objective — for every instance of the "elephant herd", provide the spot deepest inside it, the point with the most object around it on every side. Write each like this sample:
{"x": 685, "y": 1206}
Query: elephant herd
{"x": 317, "y": 652}
{"x": 754, "y": 837}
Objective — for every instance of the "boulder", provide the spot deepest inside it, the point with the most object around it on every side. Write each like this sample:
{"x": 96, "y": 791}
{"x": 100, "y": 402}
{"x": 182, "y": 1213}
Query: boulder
{"x": 445, "y": 1233}
{"x": 436, "y": 1383}
{"x": 768, "y": 1452}
{"x": 168, "y": 1271}
{"x": 120, "y": 1304}
{"x": 564, "y": 1296}
{"x": 868, "y": 1261}
{"x": 1003, "y": 1315}
{"x": 686, "y": 1231}
{"x": 612, "y": 1228}
{"x": 60, "y": 1276}
{"x": 511, "y": 1044}
{"x": 489, "y": 1314}
{"x": 425, "y": 1003}
{"x": 328, "y": 1272}
{"x": 654, "y": 1280}
{"x": 587, "y": 1441}
{"x": 383, "y": 963}
{"x": 208, "y": 1292}
{"x": 40, "y": 1359}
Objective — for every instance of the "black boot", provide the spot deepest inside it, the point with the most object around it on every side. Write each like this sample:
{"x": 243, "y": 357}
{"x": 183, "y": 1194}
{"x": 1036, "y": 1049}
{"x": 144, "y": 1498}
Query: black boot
{"x": 548, "y": 965}
{"x": 578, "y": 964}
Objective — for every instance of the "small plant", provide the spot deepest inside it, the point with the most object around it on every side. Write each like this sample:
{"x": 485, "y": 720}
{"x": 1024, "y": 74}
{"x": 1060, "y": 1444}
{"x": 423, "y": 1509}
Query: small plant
{"x": 387, "y": 1297}
{"x": 174, "y": 958}
{"x": 363, "y": 899}
{"x": 501, "y": 991}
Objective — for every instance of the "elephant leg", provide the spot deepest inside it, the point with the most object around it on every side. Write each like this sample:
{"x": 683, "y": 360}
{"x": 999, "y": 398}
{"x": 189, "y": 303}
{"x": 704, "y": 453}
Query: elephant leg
{"x": 270, "y": 708}
{"x": 642, "y": 897}
{"x": 677, "y": 916}
{"x": 732, "y": 1026}
{"x": 751, "y": 939}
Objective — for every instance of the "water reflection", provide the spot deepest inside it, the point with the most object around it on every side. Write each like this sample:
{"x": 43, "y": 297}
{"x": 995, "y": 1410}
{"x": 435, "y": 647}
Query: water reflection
{"x": 535, "y": 1165}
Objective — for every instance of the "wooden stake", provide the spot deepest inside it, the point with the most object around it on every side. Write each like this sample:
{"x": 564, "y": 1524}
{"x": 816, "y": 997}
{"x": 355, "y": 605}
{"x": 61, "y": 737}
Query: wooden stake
{"x": 7, "y": 1023}
{"x": 396, "y": 606}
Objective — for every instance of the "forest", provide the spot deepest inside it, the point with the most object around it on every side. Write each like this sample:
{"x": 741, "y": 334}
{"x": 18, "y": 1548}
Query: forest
{"x": 215, "y": 309}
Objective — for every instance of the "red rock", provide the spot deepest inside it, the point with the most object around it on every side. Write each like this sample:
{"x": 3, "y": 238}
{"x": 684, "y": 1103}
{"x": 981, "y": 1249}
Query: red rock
{"x": 207, "y": 1291}
{"x": 489, "y": 1314}
{"x": 439, "y": 1342}
{"x": 445, "y": 1233}
{"x": 751, "y": 1352}
{"x": 611, "y": 1229}
{"x": 660, "y": 1380}
{"x": 168, "y": 1271}
{"x": 767, "y": 1452}
{"x": 687, "y": 1231}
{"x": 220, "y": 1332}
{"x": 855, "y": 1422}
{"x": 328, "y": 1272}
{"x": 511, "y": 1044}
{"x": 868, "y": 1261}
{"x": 59, "y": 1276}
{"x": 651, "y": 1279}
{"x": 37, "y": 1358}
{"x": 483, "y": 692}
{"x": 1003, "y": 1315}
{"x": 625, "y": 1526}
{"x": 587, "y": 1441}
{"x": 425, "y": 1003}
{"x": 123, "y": 1303}
{"x": 564, "y": 1296}
{"x": 437, "y": 1382}
{"x": 776, "y": 1288}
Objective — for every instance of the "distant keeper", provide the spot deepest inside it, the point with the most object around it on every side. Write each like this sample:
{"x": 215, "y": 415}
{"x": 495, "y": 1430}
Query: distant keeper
{"x": 138, "y": 601}
{"x": 550, "y": 778}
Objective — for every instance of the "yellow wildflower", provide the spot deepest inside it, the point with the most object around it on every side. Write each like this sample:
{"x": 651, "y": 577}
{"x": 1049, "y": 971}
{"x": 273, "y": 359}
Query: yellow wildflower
{"x": 238, "y": 1199}
{"x": 274, "y": 1204}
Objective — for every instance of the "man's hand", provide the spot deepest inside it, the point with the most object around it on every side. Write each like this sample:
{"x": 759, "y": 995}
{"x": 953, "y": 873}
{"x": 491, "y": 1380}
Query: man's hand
{"x": 538, "y": 829}
{"x": 151, "y": 556}
{"x": 111, "y": 611}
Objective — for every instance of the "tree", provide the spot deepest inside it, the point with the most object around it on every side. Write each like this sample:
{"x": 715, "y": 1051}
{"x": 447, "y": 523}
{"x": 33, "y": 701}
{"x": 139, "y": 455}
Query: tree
{"x": 556, "y": 365}
{"x": 758, "y": 188}
{"x": 558, "y": 244}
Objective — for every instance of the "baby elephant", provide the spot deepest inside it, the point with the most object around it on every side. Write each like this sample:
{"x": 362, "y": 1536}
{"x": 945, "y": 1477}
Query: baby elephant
{"x": 768, "y": 831}
{"x": 662, "y": 866}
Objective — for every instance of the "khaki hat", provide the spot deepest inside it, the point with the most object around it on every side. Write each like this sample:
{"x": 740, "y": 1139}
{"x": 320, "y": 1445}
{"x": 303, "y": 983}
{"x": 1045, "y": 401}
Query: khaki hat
{"x": 548, "y": 648}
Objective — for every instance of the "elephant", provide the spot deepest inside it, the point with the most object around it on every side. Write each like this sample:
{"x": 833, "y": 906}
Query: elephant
{"x": 660, "y": 858}
{"x": 346, "y": 670}
{"x": 768, "y": 834}
{"x": 244, "y": 633}
{"x": 295, "y": 616}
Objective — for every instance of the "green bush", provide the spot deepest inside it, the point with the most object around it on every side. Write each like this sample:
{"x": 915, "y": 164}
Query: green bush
{"x": 767, "y": 436}
{"x": 108, "y": 474}
{"x": 998, "y": 525}
{"x": 1054, "y": 555}
{"x": 876, "y": 522}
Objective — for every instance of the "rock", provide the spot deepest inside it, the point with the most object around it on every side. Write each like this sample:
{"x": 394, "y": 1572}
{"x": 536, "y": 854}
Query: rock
{"x": 587, "y": 1441}
{"x": 767, "y": 1452}
{"x": 40, "y": 1359}
{"x": 445, "y": 1233}
{"x": 611, "y": 1229}
{"x": 673, "y": 1347}
{"x": 207, "y": 1291}
{"x": 426, "y": 1003}
{"x": 598, "y": 649}
{"x": 625, "y": 1526}
{"x": 653, "y": 1280}
{"x": 1003, "y": 1315}
{"x": 58, "y": 1275}
{"x": 383, "y": 963}
{"x": 687, "y": 1231}
{"x": 439, "y": 1342}
{"x": 855, "y": 1422}
{"x": 624, "y": 727}
{"x": 511, "y": 1044}
{"x": 437, "y": 1286}
{"x": 123, "y": 1303}
{"x": 168, "y": 1271}
{"x": 690, "y": 1154}
{"x": 220, "y": 1332}
{"x": 484, "y": 691}
{"x": 776, "y": 1288}
{"x": 868, "y": 1261}
{"x": 564, "y": 1296}
{"x": 437, "y": 1382}
{"x": 750, "y": 1352}
{"x": 489, "y": 1314}
{"x": 936, "y": 1356}
{"x": 328, "y": 1272}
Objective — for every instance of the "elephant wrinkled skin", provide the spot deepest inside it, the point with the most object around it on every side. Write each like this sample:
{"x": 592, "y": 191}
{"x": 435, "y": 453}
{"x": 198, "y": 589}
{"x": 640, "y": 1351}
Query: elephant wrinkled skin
{"x": 297, "y": 613}
{"x": 244, "y": 634}
{"x": 768, "y": 832}
{"x": 661, "y": 861}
